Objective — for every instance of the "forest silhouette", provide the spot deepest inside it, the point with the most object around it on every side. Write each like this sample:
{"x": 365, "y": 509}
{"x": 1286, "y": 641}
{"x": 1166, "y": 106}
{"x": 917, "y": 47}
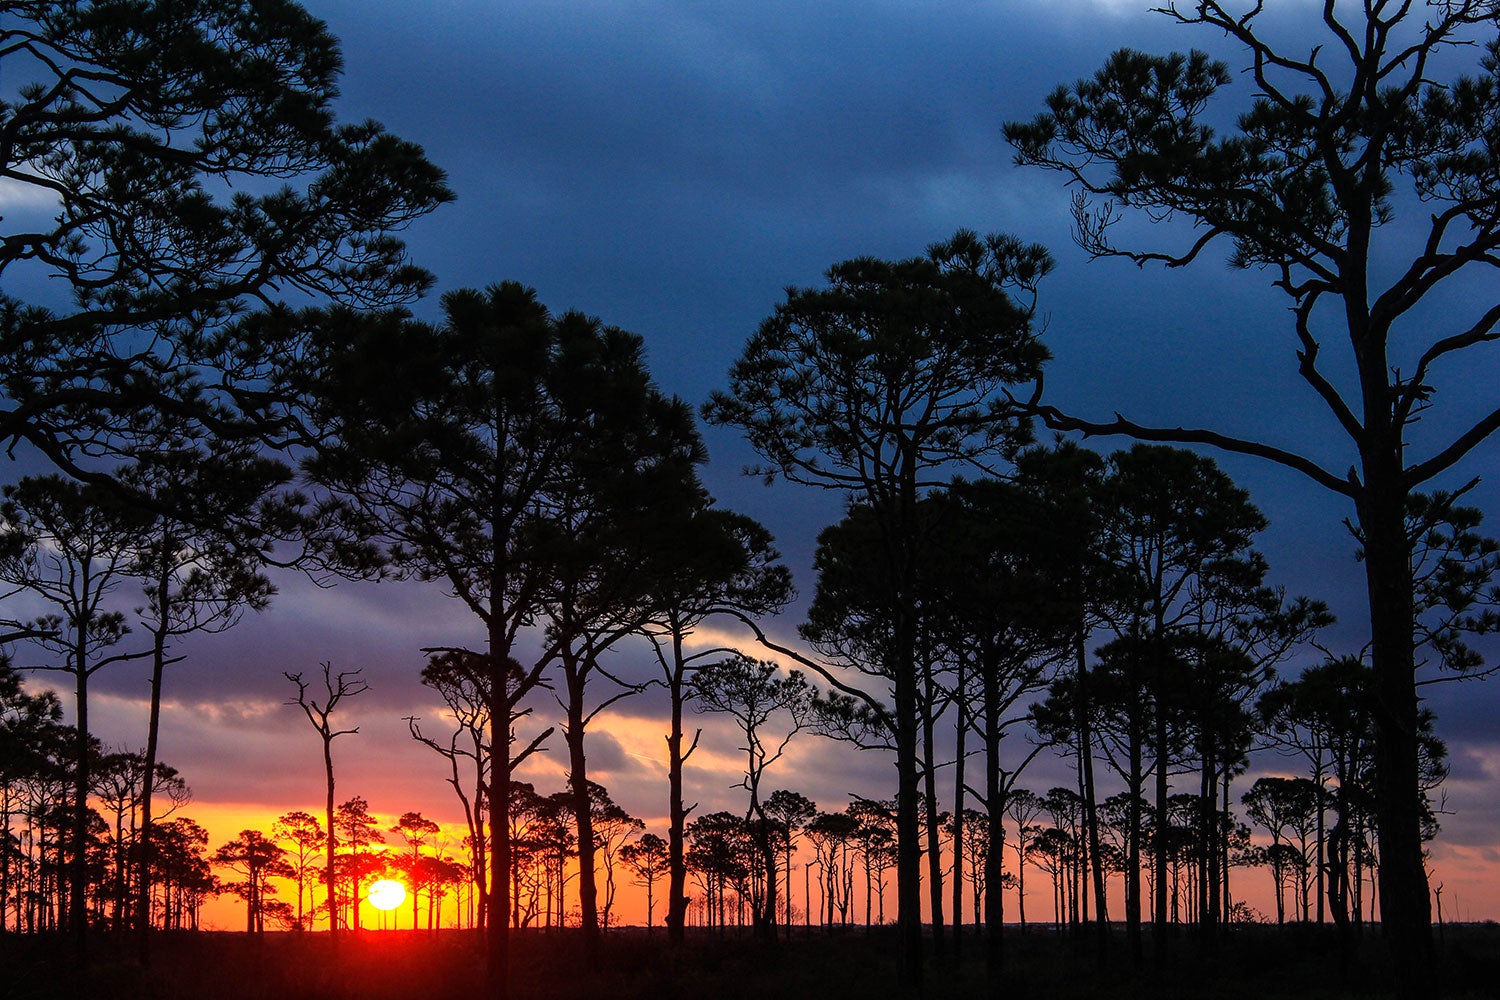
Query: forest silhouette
{"x": 231, "y": 382}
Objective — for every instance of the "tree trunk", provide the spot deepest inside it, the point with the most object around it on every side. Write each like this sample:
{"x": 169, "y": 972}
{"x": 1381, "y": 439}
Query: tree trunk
{"x": 143, "y": 836}
{"x": 1404, "y": 906}
{"x": 1090, "y": 798}
{"x": 1322, "y": 835}
{"x": 765, "y": 918}
{"x": 1224, "y": 810}
{"x": 908, "y": 835}
{"x": 958, "y": 819}
{"x": 583, "y": 814}
{"x": 994, "y": 858}
{"x": 331, "y": 841}
{"x": 78, "y": 898}
{"x": 907, "y": 721}
{"x": 497, "y": 917}
{"x": 677, "y": 899}
{"x": 930, "y": 814}
{"x": 1133, "y": 844}
{"x": 1159, "y": 852}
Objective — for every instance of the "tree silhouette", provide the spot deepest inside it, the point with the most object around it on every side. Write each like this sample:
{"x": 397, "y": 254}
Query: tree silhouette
{"x": 758, "y": 695}
{"x": 871, "y": 386}
{"x": 648, "y": 858}
{"x": 850, "y": 623}
{"x": 1179, "y": 533}
{"x": 416, "y": 830}
{"x": 460, "y": 470}
{"x": 875, "y": 836}
{"x": 119, "y": 783}
{"x": 346, "y": 684}
{"x": 357, "y": 829}
{"x": 307, "y": 838}
{"x": 69, "y": 545}
{"x": 601, "y": 536}
{"x": 462, "y": 692}
{"x": 1453, "y": 568}
{"x": 196, "y": 165}
{"x": 976, "y": 848}
{"x": 999, "y": 582}
{"x": 1022, "y": 805}
{"x": 181, "y": 873}
{"x": 1324, "y": 717}
{"x": 1294, "y": 805}
{"x": 555, "y": 839}
{"x": 200, "y": 566}
{"x": 257, "y": 859}
{"x": 1069, "y": 480}
{"x": 28, "y": 724}
{"x": 832, "y": 835}
{"x": 720, "y": 854}
{"x": 789, "y": 811}
{"x": 718, "y": 563}
{"x": 1306, "y": 187}
{"x": 612, "y": 829}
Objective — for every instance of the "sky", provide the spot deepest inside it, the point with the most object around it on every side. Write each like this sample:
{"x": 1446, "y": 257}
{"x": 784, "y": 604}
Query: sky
{"x": 672, "y": 167}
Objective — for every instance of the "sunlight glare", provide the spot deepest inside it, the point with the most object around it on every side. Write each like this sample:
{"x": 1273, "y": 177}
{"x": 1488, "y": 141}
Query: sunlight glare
{"x": 386, "y": 894}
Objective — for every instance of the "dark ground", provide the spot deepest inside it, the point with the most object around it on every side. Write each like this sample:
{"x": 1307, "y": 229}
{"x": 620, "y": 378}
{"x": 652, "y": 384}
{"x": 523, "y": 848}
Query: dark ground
{"x": 1258, "y": 962}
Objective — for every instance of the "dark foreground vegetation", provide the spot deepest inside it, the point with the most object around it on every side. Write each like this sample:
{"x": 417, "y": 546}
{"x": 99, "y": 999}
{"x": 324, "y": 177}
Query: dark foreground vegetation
{"x": 1261, "y": 962}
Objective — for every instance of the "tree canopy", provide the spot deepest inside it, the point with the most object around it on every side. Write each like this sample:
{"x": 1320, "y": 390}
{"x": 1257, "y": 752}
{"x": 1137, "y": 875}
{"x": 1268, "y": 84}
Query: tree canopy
{"x": 193, "y": 168}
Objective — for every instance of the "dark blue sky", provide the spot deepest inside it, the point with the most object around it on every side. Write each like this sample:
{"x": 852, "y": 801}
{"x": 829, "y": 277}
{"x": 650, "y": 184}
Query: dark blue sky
{"x": 671, "y": 167}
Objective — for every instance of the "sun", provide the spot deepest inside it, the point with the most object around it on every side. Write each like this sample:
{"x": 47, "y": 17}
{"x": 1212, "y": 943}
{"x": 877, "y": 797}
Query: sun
{"x": 386, "y": 894}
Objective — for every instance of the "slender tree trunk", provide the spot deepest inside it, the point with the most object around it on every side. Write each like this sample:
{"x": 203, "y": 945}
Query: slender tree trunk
{"x": 583, "y": 814}
{"x": 331, "y": 841}
{"x": 1133, "y": 844}
{"x": 869, "y": 891}
{"x": 677, "y": 898}
{"x": 79, "y": 874}
{"x": 908, "y": 830}
{"x": 903, "y": 667}
{"x": 994, "y": 858}
{"x": 1209, "y": 837}
{"x": 765, "y": 918}
{"x": 143, "y": 838}
{"x": 7, "y": 859}
{"x": 415, "y": 858}
{"x": 958, "y": 818}
{"x": 1159, "y": 852}
{"x": 1090, "y": 797}
{"x": 1224, "y": 810}
{"x": 788, "y": 859}
{"x": 930, "y": 814}
{"x": 1322, "y": 839}
{"x": 1021, "y": 838}
{"x": 497, "y": 929}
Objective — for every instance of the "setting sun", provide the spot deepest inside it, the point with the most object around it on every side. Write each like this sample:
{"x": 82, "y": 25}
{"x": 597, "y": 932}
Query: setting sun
{"x": 386, "y": 894}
